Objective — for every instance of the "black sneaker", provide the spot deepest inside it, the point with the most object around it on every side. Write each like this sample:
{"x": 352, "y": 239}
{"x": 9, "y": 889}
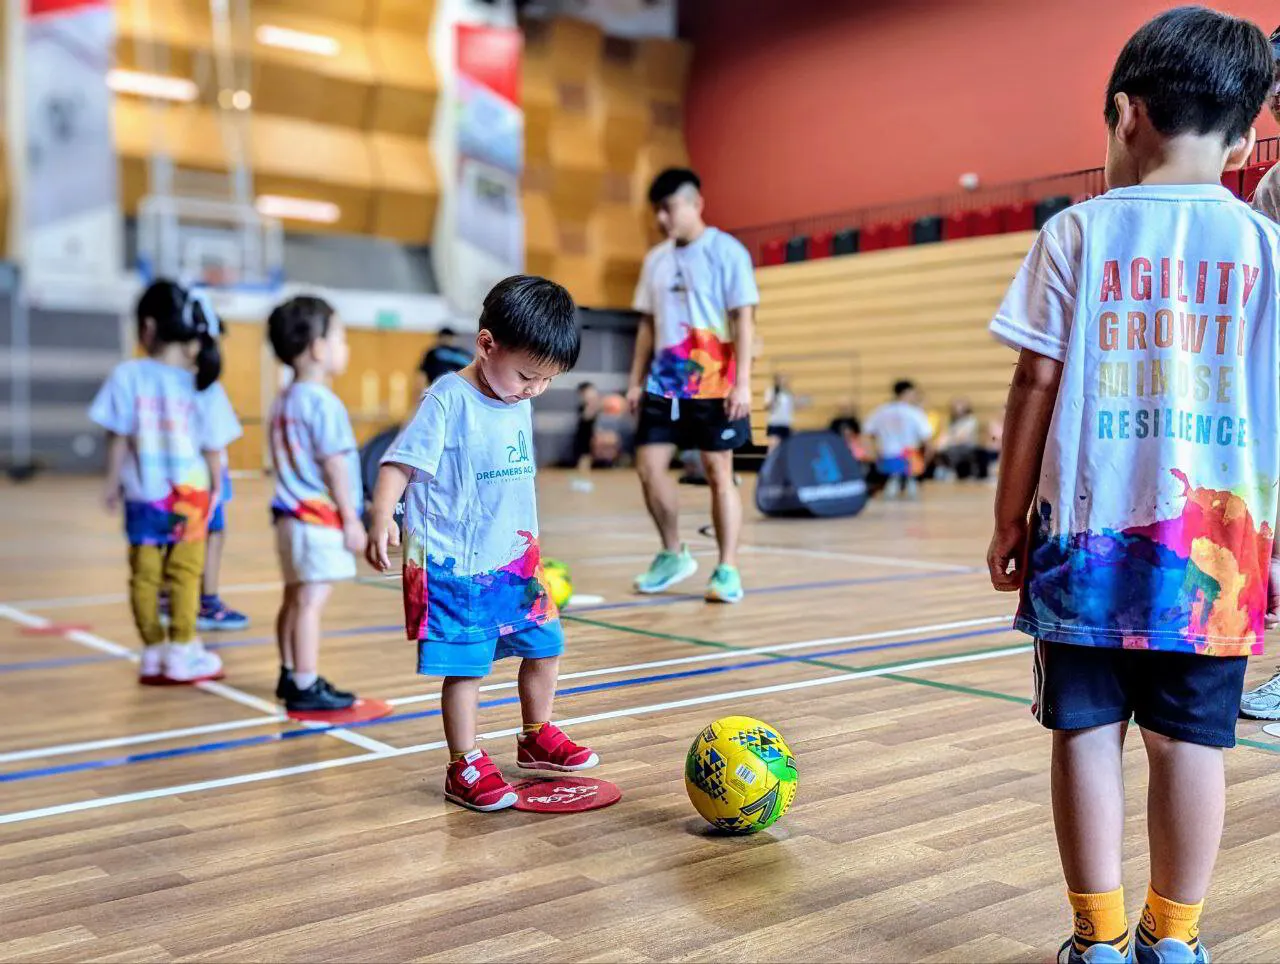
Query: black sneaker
{"x": 320, "y": 695}
{"x": 282, "y": 684}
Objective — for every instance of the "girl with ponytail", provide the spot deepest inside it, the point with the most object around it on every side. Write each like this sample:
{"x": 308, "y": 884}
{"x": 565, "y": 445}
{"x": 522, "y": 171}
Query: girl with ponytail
{"x": 164, "y": 465}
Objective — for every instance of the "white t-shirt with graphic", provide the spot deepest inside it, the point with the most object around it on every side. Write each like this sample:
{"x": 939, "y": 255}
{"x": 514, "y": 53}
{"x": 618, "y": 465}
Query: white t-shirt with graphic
{"x": 472, "y": 564}
{"x": 215, "y": 409}
{"x": 165, "y": 477}
{"x": 689, "y": 290}
{"x": 898, "y": 428}
{"x": 309, "y": 424}
{"x": 1157, "y": 497}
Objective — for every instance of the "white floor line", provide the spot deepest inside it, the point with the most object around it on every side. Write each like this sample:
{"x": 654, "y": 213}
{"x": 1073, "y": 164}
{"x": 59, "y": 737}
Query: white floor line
{"x": 64, "y": 749}
{"x": 890, "y": 561}
{"x": 730, "y": 654}
{"x": 93, "y": 641}
{"x": 22, "y": 816}
{"x": 70, "y": 602}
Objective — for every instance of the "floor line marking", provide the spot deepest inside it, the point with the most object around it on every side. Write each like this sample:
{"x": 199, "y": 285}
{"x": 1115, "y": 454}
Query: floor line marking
{"x": 94, "y": 641}
{"x": 275, "y": 716}
{"x": 709, "y": 698}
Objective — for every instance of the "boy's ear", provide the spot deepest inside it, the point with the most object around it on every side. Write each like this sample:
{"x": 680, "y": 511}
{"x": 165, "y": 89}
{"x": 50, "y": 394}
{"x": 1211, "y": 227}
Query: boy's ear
{"x": 1128, "y": 112}
{"x": 484, "y": 342}
{"x": 1240, "y": 151}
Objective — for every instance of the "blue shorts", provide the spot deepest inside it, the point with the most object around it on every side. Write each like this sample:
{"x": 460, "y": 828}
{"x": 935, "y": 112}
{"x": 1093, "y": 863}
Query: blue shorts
{"x": 898, "y": 465}
{"x": 218, "y": 521}
{"x": 439, "y": 657}
{"x": 1184, "y": 696}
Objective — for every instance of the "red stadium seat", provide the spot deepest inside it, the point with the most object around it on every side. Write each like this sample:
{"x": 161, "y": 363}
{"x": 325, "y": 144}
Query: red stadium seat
{"x": 955, "y": 225}
{"x": 873, "y": 237}
{"x": 820, "y": 245}
{"x": 898, "y": 234}
{"x": 1231, "y": 181}
{"x": 1251, "y": 177}
{"x": 985, "y": 221}
{"x": 1018, "y": 217}
{"x": 773, "y": 252}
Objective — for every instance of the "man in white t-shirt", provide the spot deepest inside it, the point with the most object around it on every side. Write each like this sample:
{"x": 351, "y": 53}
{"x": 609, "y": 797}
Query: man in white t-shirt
{"x": 900, "y": 429}
{"x": 691, "y": 376}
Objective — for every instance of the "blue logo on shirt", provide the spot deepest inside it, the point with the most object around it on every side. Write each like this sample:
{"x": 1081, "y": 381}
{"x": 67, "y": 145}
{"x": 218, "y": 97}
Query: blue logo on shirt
{"x": 518, "y": 452}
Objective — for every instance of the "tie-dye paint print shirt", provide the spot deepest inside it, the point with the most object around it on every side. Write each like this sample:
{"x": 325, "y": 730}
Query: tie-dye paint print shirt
{"x": 689, "y": 291}
{"x": 309, "y": 424}
{"x": 165, "y": 477}
{"x": 472, "y": 566}
{"x": 1157, "y": 498}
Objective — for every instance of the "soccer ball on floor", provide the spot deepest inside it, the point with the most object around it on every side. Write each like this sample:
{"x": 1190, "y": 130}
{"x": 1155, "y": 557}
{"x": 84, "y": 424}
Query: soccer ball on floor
{"x": 558, "y": 582}
{"x": 740, "y": 774}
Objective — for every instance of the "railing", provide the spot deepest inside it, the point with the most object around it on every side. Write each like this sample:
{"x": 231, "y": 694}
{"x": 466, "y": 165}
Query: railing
{"x": 1076, "y": 185}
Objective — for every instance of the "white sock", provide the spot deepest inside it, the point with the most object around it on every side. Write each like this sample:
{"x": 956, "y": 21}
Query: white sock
{"x": 304, "y": 681}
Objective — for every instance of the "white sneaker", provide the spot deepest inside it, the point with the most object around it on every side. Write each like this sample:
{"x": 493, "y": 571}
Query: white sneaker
{"x": 892, "y": 488}
{"x": 151, "y": 664}
{"x": 191, "y": 663}
{"x": 1262, "y": 702}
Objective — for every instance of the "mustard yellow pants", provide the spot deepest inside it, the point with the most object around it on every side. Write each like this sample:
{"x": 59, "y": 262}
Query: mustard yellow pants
{"x": 179, "y": 566}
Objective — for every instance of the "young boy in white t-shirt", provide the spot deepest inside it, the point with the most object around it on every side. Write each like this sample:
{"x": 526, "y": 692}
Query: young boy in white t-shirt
{"x": 318, "y": 495}
{"x": 473, "y": 582}
{"x": 899, "y": 429}
{"x": 1141, "y": 436}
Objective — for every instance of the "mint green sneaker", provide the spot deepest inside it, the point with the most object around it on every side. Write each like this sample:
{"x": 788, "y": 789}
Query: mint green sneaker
{"x": 725, "y": 585}
{"x": 667, "y": 569}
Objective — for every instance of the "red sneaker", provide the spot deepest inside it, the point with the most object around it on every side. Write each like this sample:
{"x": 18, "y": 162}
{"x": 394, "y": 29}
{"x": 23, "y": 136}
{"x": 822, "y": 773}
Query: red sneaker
{"x": 550, "y": 749}
{"x": 475, "y": 783}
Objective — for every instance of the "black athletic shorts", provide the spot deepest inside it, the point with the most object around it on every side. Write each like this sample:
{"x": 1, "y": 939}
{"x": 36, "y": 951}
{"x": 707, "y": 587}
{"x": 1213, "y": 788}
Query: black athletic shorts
{"x": 1183, "y": 696}
{"x": 778, "y": 431}
{"x": 690, "y": 424}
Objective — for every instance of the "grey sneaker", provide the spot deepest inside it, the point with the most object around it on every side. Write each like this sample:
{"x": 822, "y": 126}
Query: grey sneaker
{"x": 1262, "y": 702}
{"x": 667, "y": 569}
{"x": 1097, "y": 954}
{"x": 1169, "y": 951}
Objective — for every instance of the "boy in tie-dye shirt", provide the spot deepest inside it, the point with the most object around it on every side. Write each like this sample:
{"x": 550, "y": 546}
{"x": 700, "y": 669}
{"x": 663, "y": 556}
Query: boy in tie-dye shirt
{"x": 1137, "y": 496}
{"x": 474, "y": 589}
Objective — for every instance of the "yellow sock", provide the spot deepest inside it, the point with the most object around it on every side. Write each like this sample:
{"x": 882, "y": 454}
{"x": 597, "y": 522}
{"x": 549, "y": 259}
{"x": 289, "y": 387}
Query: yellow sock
{"x": 530, "y": 728}
{"x": 1100, "y": 919}
{"x": 1163, "y": 918}
{"x": 455, "y": 757}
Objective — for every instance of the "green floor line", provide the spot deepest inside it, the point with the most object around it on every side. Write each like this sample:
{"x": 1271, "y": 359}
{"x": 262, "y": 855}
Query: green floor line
{"x": 899, "y": 677}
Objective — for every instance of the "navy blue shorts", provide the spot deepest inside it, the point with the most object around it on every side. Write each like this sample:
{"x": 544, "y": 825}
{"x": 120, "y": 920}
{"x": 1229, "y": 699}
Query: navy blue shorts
{"x": 1186, "y": 697}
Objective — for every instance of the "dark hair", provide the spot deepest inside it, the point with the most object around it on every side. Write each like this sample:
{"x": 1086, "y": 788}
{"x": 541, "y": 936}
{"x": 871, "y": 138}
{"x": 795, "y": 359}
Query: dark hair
{"x": 902, "y": 386}
{"x": 182, "y": 316}
{"x": 670, "y": 181}
{"x": 528, "y": 313}
{"x": 296, "y": 324}
{"x": 583, "y": 386}
{"x": 1197, "y": 71}
{"x": 446, "y": 332}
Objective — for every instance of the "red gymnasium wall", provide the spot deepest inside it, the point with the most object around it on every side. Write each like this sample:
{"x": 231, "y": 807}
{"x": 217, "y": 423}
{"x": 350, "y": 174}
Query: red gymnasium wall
{"x": 800, "y": 108}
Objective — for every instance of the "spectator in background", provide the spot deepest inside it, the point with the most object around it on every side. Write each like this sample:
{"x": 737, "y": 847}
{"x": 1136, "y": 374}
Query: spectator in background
{"x": 780, "y": 403}
{"x": 588, "y": 411}
{"x": 447, "y": 356}
{"x": 900, "y": 430}
{"x": 1266, "y": 200}
{"x": 958, "y": 445}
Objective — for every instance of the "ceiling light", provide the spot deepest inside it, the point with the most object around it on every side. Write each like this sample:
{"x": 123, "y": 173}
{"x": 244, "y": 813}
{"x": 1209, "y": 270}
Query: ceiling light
{"x": 152, "y": 85}
{"x": 297, "y": 209}
{"x": 300, "y": 40}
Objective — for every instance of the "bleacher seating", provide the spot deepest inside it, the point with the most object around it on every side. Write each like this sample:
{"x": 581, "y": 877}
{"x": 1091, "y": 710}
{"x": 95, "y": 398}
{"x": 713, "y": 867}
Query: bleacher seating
{"x": 797, "y": 249}
{"x": 820, "y": 245}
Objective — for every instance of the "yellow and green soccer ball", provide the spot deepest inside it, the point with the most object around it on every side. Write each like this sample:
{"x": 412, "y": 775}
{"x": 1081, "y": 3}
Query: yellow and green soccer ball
{"x": 558, "y": 582}
{"x": 740, "y": 775}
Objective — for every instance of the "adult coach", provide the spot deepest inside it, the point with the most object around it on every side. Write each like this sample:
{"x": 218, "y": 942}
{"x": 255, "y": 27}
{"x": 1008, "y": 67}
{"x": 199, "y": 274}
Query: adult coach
{"x": 447, "y": 356}
{"x": 691, "y": 376}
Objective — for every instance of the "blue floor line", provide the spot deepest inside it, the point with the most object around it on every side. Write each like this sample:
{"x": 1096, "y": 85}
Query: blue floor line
{"x": 659, "y": 600}
{"x": 202, "y": 748}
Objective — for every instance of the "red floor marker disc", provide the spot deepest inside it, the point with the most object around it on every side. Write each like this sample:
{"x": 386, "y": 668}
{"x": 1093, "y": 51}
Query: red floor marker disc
{"x": 357, "y": 712}
{"x": 565, "y": 794}
{"x": 55, "y": 629}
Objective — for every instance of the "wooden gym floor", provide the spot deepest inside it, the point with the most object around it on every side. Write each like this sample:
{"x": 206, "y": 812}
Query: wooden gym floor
{"x": 156, "y": 825}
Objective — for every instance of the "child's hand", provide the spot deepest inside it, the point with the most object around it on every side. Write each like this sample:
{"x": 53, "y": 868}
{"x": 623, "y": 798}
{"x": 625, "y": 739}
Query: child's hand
{"x": 1007, "y": 551}
{"x": 383, "y": 533}
{"x": 353, "y": 536}
{"x": 1273, "y": 596}
{"x": 111, "y": 495}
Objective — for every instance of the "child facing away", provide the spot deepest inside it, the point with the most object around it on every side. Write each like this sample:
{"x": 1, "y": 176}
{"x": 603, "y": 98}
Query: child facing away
{"x": 215, "y": 615}
{"x": 164, "y": 460}
{"x": 318, "y": 495}
{"x": 1141, "y": 436}
{"x": 899, "y": 429}
{"x": 473, "y": 583}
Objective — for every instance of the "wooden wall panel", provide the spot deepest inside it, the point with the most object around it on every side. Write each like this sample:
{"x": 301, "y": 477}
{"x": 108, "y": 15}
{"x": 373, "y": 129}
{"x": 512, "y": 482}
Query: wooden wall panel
{"x": 407, "y": 188}
{"x": 844, "y": 329}
{"x": 404, "y": 100}
{"x": 295, "y": 158}
{"x": 244, "y": 351}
